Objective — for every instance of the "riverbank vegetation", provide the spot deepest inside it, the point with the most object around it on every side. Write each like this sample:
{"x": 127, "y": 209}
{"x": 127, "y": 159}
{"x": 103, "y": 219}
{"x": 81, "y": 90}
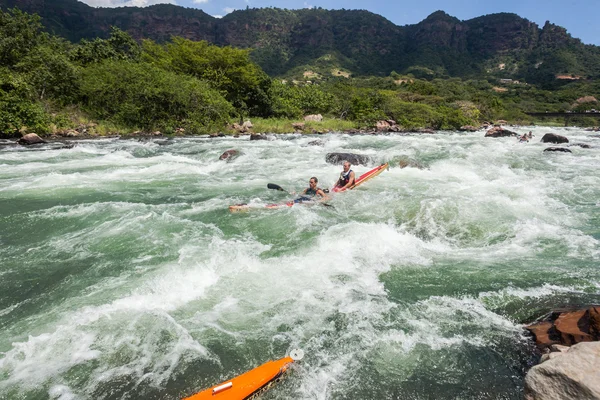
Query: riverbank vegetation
{"x": 119, "y": 85}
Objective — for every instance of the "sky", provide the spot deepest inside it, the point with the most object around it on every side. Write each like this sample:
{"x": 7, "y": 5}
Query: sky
{"x": 581, "y": 18}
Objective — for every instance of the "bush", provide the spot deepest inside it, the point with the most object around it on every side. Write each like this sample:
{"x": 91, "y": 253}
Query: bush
{"x": 144, "y": 96}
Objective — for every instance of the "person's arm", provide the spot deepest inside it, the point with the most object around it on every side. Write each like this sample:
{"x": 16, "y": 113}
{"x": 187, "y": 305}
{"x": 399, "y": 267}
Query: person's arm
{"x": 350, "y": 181}
{"x": 324, "y": 196}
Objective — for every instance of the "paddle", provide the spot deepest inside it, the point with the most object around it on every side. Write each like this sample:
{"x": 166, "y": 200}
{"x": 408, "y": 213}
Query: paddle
{"x": 279, "y": 188}
{"x": 275, "y": 187}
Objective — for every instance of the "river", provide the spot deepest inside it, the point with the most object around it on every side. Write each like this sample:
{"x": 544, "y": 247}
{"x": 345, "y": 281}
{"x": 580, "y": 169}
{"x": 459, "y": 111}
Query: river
{"x": 123, "y": 275}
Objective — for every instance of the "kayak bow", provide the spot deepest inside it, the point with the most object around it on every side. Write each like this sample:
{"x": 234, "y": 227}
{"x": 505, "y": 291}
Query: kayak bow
{"x": 252, "y": 383}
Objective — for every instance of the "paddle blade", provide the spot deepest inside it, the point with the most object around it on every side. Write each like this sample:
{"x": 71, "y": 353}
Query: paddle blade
{"x": 275, "y": 187}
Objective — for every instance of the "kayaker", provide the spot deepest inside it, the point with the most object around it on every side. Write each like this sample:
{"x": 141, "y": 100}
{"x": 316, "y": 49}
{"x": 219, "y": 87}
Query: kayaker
{"x": 346, "y": 177}
{"x": 311, "y": 192}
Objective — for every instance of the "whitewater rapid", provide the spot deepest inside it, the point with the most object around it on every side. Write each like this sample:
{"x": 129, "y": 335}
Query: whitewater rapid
{"x": 123, "y": 275}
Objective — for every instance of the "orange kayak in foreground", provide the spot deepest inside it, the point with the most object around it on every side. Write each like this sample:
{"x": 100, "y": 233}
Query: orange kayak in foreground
{"x": 364, "y": 177}
{"x": 250, "y": 384}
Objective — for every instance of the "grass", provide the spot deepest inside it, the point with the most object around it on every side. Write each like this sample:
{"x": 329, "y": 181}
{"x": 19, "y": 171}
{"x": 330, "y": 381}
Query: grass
{"x": 274, "y": 125}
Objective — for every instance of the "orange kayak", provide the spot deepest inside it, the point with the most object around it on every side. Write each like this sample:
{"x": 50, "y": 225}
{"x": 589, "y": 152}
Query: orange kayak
{"x": 364, "y": 177}
{"x": 249, "y": 384}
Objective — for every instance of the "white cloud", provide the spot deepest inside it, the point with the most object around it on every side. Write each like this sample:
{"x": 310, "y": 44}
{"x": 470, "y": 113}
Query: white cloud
{"x": 217, "y": 16}
{"x": 229, "y": 10}
{"x": 200, "y": 1}
{"x": 306, "y": 5}
{"x": 126, "y": 3}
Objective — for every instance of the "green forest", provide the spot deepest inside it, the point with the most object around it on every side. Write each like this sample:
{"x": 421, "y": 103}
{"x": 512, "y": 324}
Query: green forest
{"x": 120, "y": 85}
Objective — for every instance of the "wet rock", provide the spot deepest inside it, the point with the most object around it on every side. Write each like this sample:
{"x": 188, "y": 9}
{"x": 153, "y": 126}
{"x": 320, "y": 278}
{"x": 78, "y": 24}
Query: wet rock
{"x": 498, "y": 131}
{"x": 354, "y": 159}
{"x": 29, "y": 139}
{"x": 554, "y": 138}
{"x": 410, "y": 163}
{"x": 573, "y": 374}
{"x": 316, "y": 143}
{"x": 582, "y": 145}
{"x": 314, "y": 117}
{"x": 559, "y": 149}
{"x": 567, "y": 327}
{"x": 468, "y": 128}
{"x": 230, "y": 155}
{"x": 426, "y": 130}
{"x": 257, "y": 136}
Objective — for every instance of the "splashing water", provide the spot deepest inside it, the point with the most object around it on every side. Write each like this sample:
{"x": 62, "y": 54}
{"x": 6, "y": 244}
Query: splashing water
{"x": 123, "y": 275}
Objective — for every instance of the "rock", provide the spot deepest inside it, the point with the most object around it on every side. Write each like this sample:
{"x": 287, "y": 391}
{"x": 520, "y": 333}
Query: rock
{"x": 70, "y": 133}
{"x": 501, "y": 122}
{"x": 426, "y": 130}
{"x": 554, "y": 138}
{"x": 558, "y": 348}
{"x": 567, "y": 327}
{"x": 582, "y": 145}
{"x": 354, "y": 159}
{"x": 559, "y": 149}
{"x": 314, "y": 117}
{"x": 230, "y": 155}
{"x": 30, "y": 138}
{"x": 498, "y": 131}
{"x": 570, "y": 375}
{"x": 256, "y": 136}
{"x": 316, "y": 143}
{"x": 247, "y": 125}
{"x": 468, "y": 128}
{"x": 382, "y": 126}
{"x": 409, "y": 163}
{"x": 298, "y": 126}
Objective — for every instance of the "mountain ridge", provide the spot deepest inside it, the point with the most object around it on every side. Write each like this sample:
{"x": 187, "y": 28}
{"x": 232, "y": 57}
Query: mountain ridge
{"x": 290, "y": 42}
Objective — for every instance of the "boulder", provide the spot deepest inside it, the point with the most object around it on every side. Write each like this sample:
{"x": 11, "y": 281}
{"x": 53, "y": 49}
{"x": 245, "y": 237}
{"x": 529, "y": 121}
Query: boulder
{"x": 468, "y": 128}
{"x": 559, "y": 149}
{"x": 30, "y": 138}
{"x": 257, "y": 136}
{"x": 314, "y": 117}
{"x": 354, "y": 159}
{"x": 501, "y": 122}
{"x": 382, "y": 126}
{"x": 298, "y": 126}
{"x": 247, "y": 125}
{"x": 554, "y": 138}
{"x": 498, "y": 131}
{"x": 567, "y": 327}
{"x": 229, "y": 155}
{"x": 316, "y": 143}
{"x": 574, "y": 374}
{"x": 582, "y": 145}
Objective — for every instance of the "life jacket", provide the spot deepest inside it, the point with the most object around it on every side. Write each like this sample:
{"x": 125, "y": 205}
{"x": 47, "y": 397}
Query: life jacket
{"x": 311, "y": 192}
{"x": 344, "y": 178}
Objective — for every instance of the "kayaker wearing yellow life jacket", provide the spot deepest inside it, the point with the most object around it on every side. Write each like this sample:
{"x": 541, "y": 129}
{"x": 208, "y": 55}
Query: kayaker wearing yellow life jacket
{"x": 346, "y": 177}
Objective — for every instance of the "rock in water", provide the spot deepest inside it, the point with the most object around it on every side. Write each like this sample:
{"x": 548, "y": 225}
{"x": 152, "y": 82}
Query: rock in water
{"x": 498, "y": 131}
{"x": 230, "y": 155}
{"x": 30, "y": 138}
{"x": 554, "y": 138}
{"x": 567, "y": 327}
{"x": 354, "y": 159}
{"x": 573, "y": 374}
{"x": 258, "y": 137}
{"x": 560, "y": 149}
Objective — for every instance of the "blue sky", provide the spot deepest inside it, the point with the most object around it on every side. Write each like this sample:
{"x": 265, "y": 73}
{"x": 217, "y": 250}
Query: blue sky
{"x": 581, "y": 18}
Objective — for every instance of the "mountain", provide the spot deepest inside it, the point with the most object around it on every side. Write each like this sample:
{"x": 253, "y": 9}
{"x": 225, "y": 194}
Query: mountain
{"x": 318, "y": 43}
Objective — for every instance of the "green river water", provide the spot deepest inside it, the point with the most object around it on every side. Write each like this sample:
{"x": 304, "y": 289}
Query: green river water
{"x": 124, "y": 276}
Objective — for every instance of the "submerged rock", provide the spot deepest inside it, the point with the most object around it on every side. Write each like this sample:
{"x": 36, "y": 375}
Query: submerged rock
{"x": 559, "y": 149}
{"x": 30, "y": 138}
{"x": 554, "y": 138}
{"x": 582, "y": 145}
{"x": 570, "y": 374}
{"x": 230, "y": 155}
{"x": 354, "y": 159}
